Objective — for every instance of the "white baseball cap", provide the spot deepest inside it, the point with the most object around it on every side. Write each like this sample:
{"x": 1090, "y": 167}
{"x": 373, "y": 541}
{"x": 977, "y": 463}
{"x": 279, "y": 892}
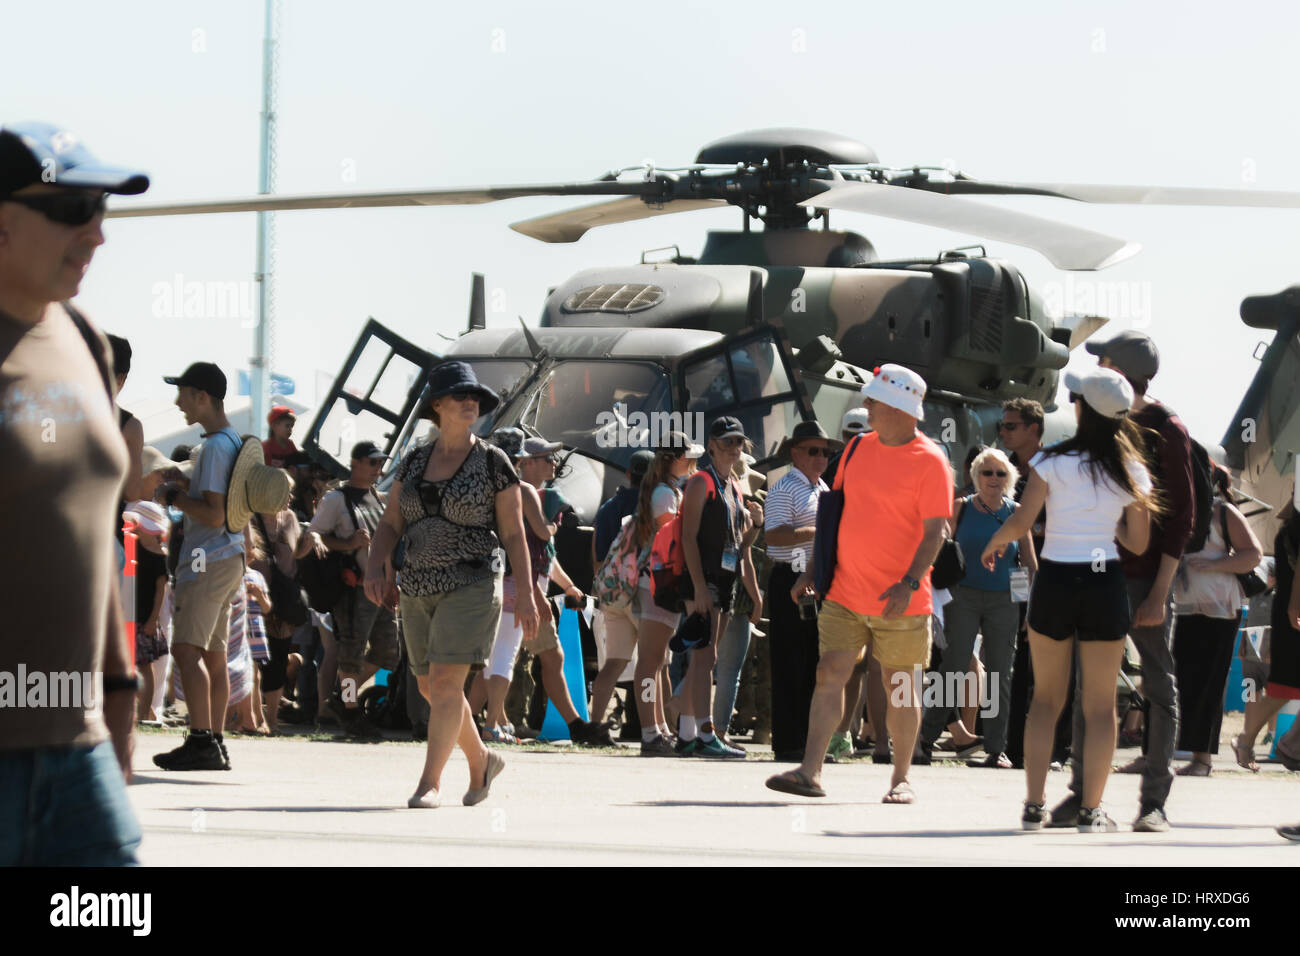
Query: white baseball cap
{"x": 1107, "y": 392}
{"x": 855, "y": 420}
{"x": 898, "y": 387}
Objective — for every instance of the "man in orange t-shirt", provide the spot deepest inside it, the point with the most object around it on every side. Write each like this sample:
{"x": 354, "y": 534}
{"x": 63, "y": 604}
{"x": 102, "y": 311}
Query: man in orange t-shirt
{"x": 897, "y": 500}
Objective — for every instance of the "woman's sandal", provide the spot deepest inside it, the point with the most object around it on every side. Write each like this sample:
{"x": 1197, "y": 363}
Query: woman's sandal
{"x": 900, "y": 793}
{"x": 1197, "y": 768}
{"x": 1247, "y": 761}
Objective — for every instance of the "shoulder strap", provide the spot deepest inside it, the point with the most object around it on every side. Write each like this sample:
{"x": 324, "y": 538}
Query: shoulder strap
{"x": 844, "y": 462}
{"x": 965, "y": 506}
{"x": 95, "y": 346}
{"x": 1223, "y": 524}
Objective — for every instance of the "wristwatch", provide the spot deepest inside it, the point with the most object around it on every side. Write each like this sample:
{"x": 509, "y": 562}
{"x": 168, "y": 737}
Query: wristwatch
{"x": 911, "y": 582}
{"x": 119, "y": 682}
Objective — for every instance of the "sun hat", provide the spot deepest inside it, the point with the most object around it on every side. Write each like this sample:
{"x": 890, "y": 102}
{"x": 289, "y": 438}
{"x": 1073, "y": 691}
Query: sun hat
{"x": 898, "y": 387}
{"x": 453, "y": 376}
{"x": 254, "y": 487}
{"x": 151, "y": 460}
{"x": 808, "y": 431}
{"x": 1106, "y": 391}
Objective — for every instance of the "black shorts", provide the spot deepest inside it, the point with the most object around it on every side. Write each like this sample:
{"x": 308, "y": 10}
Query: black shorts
{"x": 722, "y": 588}
{"x": 1073, "y": 600}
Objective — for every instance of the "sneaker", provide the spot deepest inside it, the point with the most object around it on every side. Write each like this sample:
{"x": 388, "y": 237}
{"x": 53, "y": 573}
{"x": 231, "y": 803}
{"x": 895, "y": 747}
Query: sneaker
{"x": 841, "y": 746}
{"x": 1291, "y": 833}
{"x": 1151, "y": 820}
{"x": 1096, "y": 821}
{"x": 686, "y": 748}
{"x": 715, "y": 749}
{"x": 1035, "y": 817}
{"x": 355, "y": 724}
{"x": 196, "y": 753}
{"x": 1064, "y": 814}
{"x": 598, "y": 736}
{"x": 659, "y": 747}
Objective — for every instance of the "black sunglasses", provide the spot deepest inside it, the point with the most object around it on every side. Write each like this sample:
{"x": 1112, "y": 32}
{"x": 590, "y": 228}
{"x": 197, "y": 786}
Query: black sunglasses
{"x": 66, "y": 208}
{"x": 1010, "y": 426}
{"x": 463, "y": 396}
{"x": 989, "y": 473}
{"x": 818, "y": 452}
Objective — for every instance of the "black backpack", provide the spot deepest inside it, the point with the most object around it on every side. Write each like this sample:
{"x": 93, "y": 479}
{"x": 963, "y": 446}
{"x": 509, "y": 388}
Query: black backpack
{"x": 1202, "y": 483}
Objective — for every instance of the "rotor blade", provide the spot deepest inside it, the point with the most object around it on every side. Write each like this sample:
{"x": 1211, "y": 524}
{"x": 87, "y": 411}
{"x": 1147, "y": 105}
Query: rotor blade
{"x": 1082, "y": 327}
{"x": 571, "y": 224}
{"x": 1137, "y": 195}
{"x": 1065, "y": 246}
{"x": 397, "y": 197}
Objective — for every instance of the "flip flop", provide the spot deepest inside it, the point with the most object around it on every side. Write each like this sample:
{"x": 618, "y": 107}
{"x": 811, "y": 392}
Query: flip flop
{"x": 900, "y": 793}
{"x": 1248, "y": 761}
{"x": 495, "y": 764}
{"x": 795, "y": 782}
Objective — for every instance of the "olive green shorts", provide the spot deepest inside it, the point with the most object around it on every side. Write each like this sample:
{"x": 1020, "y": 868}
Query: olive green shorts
{"x": 452, "y": 627}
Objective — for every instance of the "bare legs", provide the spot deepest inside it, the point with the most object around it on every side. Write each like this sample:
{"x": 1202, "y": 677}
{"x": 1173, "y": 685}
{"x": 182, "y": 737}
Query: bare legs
{"x": 450, "y": 723}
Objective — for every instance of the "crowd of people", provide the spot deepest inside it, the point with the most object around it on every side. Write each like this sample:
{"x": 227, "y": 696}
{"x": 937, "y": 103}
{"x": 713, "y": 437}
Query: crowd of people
{"x": 268, "y": 593}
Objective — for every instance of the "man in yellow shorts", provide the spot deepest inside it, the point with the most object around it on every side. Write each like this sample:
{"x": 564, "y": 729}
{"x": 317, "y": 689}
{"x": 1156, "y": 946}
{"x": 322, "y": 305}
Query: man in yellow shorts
{"x": 897, "y": 500}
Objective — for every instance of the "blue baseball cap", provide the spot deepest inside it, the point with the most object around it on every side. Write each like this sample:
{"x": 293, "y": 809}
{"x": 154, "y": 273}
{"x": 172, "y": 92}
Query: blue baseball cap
{"x": 44, "y": 153}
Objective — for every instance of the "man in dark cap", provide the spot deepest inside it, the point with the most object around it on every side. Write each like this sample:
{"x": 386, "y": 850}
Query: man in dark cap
{"x": 1150, "y": 583}
{"x": 62, "y": 795}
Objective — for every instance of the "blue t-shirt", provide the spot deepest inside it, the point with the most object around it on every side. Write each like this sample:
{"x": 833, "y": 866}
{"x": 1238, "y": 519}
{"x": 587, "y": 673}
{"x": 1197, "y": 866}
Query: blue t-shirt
{"x": 974, "y": 532}
{"x": 216, "y": 457}
{"x": 609, "y": 518}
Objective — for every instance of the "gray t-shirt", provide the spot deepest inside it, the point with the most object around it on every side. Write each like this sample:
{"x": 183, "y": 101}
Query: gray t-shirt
{"x": 62, "y": 464}
{"x": 216, "y": 457}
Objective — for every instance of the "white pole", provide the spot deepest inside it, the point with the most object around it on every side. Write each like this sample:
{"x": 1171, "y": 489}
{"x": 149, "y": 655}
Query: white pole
{"x": 260, "y": 362}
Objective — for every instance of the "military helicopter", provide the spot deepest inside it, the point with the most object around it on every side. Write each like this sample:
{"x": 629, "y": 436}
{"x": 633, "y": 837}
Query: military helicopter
{"x": 773, "y": 326}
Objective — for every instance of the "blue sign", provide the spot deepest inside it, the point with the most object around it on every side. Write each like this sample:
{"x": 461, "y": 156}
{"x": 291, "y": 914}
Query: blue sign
{"x": 280, "y": 384}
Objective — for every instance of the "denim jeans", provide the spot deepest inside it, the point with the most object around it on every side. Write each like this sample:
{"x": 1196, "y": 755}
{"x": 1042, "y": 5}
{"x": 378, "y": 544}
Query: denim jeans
{"x": 733, "y": 647}
{"x": 65, "y": 806}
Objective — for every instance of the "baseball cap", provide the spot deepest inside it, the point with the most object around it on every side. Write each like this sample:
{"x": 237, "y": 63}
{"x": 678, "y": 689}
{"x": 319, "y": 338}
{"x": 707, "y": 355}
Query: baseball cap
{"x": 1105, "y": 390}
{"x": 681, "y": 442}
{"x": 539, "y": 447}
{"x": 279, "y": 411}
{"x": 694, "y": 631}
{"x": 855, "y": 420}
{"x": 726, "y": 427}
{"x": 1133, "y": 354}
{"x": 898, "y": 387}
{"x": 204, "y": 376}
{"x": 43, "y": 153}
{"x": 640, "y": 463}
{"x": 367, "y": 449}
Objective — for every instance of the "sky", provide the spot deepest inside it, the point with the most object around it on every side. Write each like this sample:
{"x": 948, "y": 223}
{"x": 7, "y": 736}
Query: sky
{"x": 392, "y": 94}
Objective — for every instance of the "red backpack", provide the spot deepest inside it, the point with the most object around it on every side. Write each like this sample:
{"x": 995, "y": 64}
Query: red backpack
{"x": 669, "y": 578}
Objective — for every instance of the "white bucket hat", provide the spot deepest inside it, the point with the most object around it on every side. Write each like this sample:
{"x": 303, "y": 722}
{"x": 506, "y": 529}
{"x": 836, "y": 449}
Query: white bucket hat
{"x": 1106, "y": 391}
{"x": 898, "y": 387}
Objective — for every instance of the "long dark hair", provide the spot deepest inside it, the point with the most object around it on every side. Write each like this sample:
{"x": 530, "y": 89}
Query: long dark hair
{"x": 659, "y": 473}
{"x": 1112, "y": 446}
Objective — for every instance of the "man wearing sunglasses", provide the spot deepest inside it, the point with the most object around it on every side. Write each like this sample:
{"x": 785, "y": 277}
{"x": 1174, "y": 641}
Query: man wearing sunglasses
{"x": 62, "y": 795}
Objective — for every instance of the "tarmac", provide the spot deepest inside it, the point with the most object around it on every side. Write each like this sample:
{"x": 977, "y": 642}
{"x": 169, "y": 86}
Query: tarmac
{"x": 319, "y": 802}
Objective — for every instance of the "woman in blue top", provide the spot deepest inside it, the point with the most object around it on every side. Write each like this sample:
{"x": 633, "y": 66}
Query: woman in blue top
{"x": 982, "y": 603}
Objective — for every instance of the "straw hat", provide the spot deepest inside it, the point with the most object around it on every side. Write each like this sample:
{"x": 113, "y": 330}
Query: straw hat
{"x": 254, "y": 487}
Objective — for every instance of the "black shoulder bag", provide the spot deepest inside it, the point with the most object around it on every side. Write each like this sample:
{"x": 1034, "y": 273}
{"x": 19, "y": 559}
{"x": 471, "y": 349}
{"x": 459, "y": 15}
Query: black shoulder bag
{"x": 830, "y": 509}
{"x": 950, "y": 564}
{"x": 286, "y": 594}
{"x": 1252, "y": 582}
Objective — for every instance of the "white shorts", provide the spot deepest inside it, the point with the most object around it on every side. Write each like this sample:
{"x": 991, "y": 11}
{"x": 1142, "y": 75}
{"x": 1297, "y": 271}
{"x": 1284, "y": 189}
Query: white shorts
{"x": 509, "y": 638}
{"x": 649, "y": 611}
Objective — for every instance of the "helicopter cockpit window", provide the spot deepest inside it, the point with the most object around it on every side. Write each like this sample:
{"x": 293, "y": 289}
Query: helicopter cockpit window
{"x": 594, "y": 406}
{"x": 750, "y": 382}
{"x": 503, "y": 376}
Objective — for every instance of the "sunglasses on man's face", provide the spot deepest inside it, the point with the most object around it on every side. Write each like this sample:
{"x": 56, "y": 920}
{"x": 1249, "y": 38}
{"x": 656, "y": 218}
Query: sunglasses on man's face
{"x": 817, "y": 451}
{"x": 1009, "y": 426}
{"x": 66, "y": 208}
{"x": 989, "y": 473}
